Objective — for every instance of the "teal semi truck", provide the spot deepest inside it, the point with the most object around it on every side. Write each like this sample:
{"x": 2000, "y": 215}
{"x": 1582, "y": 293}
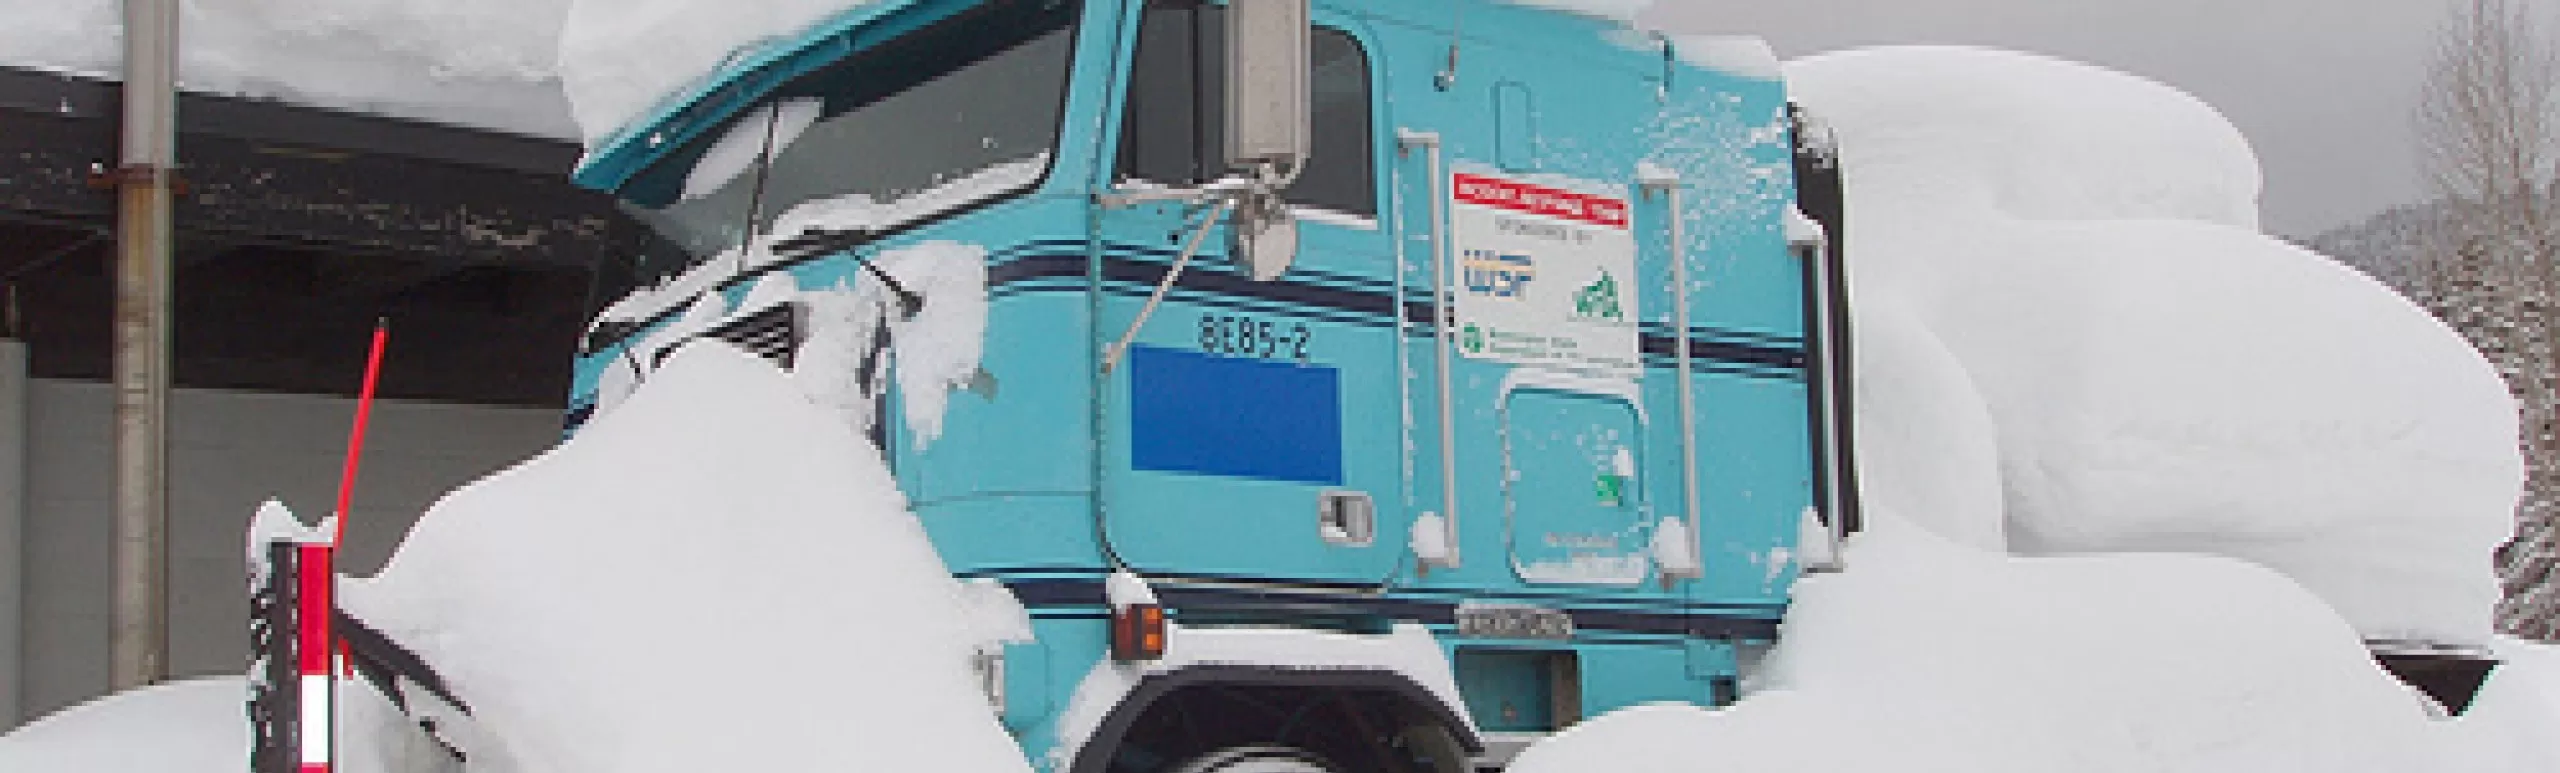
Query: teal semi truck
{"x": 1384, "y": 383}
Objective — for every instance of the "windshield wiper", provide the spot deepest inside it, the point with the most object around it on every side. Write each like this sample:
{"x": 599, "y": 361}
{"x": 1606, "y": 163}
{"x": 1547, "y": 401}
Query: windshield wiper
{"x": 814, "y": 242}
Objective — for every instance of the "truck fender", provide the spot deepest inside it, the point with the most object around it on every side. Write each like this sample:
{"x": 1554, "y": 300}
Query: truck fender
{"x": 1095, "y": 754}
{"x": 1405, "y": 666}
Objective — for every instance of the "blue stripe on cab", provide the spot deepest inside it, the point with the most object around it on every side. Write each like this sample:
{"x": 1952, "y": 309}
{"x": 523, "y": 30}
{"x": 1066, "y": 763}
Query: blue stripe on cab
{"x": 1234, "y": 416}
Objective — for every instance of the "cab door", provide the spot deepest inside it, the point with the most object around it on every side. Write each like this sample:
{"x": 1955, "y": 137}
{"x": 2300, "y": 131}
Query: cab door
{"x": 1251, "y": 427}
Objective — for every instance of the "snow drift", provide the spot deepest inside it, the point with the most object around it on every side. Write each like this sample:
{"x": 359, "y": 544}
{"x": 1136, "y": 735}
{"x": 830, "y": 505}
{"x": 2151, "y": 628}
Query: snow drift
{"x": 718, "y": 575}
{"x": 2073, "y": 341}
{"x": 2158, "y": 376}
{"x": 200, "y": 726}
{"x": 183, "y": 727}
{"x": 1930, "y": 656}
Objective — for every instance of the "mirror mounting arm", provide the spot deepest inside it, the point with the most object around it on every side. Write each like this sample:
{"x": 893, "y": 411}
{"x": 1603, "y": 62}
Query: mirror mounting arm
{"x": 1262, "y": 181}
{"x": 1125, "y": 195}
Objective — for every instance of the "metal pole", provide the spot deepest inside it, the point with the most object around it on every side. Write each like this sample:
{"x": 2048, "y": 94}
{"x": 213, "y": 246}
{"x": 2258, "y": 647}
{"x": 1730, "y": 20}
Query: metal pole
{"x": 139, "y": 646}
{"x": 1443, "y": 285}
{"x": 1668, "y": 184}
{"x": 13, "y": 543}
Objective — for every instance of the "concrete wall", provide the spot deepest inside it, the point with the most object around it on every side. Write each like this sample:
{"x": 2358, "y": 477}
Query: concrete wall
{"x": 228, "y": 452}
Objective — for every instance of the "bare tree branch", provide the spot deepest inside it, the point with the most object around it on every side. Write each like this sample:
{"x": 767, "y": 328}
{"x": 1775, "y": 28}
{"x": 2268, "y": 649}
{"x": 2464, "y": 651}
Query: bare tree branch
{"x": 2486, "y": 122}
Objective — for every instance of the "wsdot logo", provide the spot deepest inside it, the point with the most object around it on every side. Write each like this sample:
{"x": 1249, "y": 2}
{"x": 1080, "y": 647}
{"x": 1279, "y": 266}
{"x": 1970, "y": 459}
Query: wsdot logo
{"x": 1599, "y": 300}
{"x": 1499, "y": 275}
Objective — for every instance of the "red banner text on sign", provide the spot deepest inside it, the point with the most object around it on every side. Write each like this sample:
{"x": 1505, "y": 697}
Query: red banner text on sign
{"x": 1541, "y": 200}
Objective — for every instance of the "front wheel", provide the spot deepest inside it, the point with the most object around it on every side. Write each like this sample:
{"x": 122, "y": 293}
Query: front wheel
{"x": 1258, "y": 759}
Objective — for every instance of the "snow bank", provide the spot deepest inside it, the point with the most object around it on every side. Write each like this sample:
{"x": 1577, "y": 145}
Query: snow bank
{"x": 2516, "y": 711}
{"x": 2028, "y": 136}
{"x": 196, "y": 726}
{"x": 719, "y": 575}
{"x": 487, "y": 63}
{"x": 618, "y": 58}
{"x": 202, "y": 726}
{"x": 1929, "y": 656}
{"x": 1925, "y": 436}
{"x": 2078, "y": 247}
{"x": 2074, "y": 341}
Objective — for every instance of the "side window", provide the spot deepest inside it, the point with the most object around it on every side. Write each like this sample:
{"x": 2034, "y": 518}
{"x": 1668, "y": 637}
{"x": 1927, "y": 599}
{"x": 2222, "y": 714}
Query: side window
{"x": 1173, "y": 127}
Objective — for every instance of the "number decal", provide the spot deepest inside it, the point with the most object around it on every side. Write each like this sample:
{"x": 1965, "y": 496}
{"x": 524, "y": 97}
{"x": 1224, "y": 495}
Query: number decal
{"x": 1243, "y": 336}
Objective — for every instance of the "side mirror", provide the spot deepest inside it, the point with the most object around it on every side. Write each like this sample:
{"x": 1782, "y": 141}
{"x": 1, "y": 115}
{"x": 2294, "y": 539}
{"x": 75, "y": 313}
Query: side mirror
{"x": 1268, "y": 124}
{"x": 1268, "y": 105}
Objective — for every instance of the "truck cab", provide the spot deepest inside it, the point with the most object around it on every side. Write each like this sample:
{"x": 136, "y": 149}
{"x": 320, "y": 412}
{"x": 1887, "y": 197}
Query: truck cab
{"x": 1369, "y": 385}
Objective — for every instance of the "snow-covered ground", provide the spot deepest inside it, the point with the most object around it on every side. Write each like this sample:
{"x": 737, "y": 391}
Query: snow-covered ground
{"x": 180, "y": 727}
{"x": 200, "y": 726}
{"x": 1932, "y": 656}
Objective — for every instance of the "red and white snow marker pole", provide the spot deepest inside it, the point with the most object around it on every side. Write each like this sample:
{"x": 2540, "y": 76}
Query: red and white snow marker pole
{"x": 292, "y": 686}
{"x": 292, "y": 624}
{"x": 317, "y": 649}
{"x": 355, "y": 437}
{"x": 314, "y": 650}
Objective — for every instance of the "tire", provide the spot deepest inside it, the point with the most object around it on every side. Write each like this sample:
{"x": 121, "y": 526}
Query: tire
{"x": 1258, "y": 759}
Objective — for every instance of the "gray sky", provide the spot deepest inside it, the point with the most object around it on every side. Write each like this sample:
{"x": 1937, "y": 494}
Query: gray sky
{"x": 2322, "y": 88}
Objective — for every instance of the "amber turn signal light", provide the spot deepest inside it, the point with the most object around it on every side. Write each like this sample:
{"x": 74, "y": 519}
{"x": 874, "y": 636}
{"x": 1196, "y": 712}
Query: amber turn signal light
{"x": 1137, "y": 632}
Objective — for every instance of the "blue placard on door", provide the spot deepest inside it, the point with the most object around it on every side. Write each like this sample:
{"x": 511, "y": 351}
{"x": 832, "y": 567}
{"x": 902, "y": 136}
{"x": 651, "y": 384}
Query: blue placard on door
{"x": 1234, "y": 416}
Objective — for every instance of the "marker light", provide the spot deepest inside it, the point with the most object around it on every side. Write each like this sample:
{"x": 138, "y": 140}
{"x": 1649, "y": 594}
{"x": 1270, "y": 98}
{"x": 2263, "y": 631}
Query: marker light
{"x": 1137, "y": 632}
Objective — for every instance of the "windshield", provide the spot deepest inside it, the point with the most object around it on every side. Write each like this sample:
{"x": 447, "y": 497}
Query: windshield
{"x": 962, "y": 111}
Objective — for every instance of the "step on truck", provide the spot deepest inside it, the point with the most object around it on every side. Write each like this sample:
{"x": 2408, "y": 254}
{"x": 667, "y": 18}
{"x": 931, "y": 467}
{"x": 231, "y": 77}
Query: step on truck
{"x": 1367, "y": 385}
